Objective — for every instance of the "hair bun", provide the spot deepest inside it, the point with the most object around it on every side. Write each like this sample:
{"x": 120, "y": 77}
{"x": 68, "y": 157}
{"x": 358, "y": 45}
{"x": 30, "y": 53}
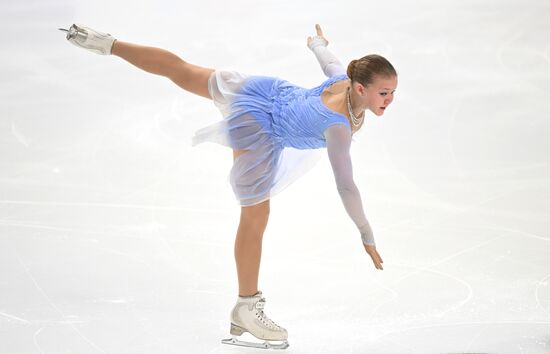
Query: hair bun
{"x": 366, "y": 69}
{"x": 351, "y": 68}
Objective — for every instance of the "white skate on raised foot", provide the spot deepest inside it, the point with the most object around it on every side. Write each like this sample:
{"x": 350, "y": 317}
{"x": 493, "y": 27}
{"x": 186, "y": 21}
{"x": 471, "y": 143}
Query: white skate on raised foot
{"x": 248, "y": 316}
{"x": 92, "y": 40}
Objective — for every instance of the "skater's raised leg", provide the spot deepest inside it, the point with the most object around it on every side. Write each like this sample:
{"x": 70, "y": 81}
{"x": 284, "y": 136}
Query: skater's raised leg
{"x": 159, "y": 61}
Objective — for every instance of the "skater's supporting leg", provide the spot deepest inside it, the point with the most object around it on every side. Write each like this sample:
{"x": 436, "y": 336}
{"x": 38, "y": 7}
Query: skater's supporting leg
{"x": 248, "y": 246}
{"x": 158, "y": 61}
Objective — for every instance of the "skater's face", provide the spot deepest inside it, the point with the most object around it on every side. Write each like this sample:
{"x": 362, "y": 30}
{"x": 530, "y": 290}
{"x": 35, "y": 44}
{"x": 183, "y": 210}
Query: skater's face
{"x": 378, "y": 95}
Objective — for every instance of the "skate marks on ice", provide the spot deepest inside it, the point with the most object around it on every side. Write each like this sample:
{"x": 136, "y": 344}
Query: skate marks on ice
{"x": 66, "y": 318}
{"x": 542, "y": 294}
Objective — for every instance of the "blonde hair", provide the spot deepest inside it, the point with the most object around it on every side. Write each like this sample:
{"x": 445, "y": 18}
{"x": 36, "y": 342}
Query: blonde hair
{"x": 364, "y": 70}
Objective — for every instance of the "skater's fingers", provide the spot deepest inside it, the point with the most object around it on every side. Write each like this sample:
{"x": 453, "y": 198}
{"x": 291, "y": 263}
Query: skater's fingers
{"x": 376, "y": 259}
{"x": 373, "y": 253}
{"x": 380, "y": 261}
{"x": 377, "y": 264}
{"x": 319, "y": 30}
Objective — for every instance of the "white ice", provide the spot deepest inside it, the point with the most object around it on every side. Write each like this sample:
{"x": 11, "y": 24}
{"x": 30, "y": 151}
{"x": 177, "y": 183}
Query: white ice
{"x": 117, "y": 237}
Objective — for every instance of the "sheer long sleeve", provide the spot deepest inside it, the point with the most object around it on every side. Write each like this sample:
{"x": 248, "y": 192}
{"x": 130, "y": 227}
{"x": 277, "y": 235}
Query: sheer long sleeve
{"x": 330, "y": 65}
{"x": 338, "y": 139}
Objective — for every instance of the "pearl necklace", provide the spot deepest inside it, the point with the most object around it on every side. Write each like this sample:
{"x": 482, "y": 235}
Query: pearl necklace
{"x": 356, "y": 121}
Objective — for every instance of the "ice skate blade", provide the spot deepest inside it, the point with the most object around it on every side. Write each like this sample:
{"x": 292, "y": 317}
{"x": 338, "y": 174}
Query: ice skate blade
{"x": 73, "y": 32}
{"x": 264, "y": 345}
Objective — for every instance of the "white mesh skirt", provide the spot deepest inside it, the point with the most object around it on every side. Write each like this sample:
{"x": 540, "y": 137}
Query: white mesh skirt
{"x": 246, "y": 103}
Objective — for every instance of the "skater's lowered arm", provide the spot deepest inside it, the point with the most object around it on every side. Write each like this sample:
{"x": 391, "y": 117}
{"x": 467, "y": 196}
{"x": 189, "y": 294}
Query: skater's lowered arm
{"x": 338, "y": 139}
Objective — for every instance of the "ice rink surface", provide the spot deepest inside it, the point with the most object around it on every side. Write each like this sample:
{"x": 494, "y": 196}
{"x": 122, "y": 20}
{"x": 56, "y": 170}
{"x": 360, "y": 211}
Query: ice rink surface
{"x": 116, "y": 236}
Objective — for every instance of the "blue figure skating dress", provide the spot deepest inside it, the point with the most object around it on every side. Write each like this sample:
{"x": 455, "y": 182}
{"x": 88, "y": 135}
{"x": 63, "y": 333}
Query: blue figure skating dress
{"x": 278, "y": 123}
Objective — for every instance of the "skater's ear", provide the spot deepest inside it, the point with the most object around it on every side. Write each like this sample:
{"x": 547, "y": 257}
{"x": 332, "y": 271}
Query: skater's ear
{"x": 359, "y": 88}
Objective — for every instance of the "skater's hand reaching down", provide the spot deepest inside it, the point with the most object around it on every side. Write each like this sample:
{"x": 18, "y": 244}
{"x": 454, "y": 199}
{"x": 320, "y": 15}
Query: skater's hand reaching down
{"x": 373, "y": 253}
{"x": 368, "y": 242}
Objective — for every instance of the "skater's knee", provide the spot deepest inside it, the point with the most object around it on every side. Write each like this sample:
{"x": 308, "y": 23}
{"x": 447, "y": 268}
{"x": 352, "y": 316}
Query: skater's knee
{"x": 256, "y": 214}
{"x": 260, "y": 209}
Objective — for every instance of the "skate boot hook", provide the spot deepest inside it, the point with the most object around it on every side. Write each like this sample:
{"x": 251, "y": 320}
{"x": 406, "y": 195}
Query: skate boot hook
{"x": 90, "y": 39}
{"x": 248, "y": 316}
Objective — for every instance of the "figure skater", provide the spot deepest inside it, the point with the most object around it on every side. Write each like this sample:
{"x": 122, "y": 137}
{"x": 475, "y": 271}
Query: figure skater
{"x": 268, "y": 122}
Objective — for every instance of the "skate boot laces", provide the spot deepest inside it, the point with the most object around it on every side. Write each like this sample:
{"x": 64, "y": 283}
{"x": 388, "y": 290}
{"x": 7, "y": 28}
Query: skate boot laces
{"x": 263, "y": 317}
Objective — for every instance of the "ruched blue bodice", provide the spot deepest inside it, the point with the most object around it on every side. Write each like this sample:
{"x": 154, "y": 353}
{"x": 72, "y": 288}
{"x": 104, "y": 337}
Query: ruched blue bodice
{"x": 297, "y": 117}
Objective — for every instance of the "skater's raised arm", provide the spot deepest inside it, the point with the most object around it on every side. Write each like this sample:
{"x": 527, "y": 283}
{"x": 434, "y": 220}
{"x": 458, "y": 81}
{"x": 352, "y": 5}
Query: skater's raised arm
{"x": 330, "y": 65}
{"x": 338, "y": 139}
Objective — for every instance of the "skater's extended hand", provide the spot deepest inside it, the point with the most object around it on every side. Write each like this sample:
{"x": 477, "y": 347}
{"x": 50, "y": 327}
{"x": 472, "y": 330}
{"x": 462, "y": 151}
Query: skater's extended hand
{"x": 319, "y": 37}
{"x": 373, "y": 253}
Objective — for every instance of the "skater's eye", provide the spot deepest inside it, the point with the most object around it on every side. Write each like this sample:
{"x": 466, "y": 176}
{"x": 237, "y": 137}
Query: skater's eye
{"x": 386, "y": 93}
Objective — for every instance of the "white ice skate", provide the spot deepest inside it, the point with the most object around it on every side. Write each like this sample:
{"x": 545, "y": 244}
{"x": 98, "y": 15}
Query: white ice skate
{"x": 92, "y": 40}
{"x": 248, "y": 316}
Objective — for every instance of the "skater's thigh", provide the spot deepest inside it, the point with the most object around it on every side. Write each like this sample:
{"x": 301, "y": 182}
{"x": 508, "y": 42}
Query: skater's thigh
{"x": 237, "y": 153}
{"x": 193, "y": 78}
